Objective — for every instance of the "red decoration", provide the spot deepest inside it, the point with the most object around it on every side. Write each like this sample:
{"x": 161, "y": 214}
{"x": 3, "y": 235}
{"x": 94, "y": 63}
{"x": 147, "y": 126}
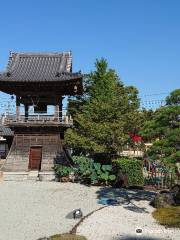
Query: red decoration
{"x": 136, "y": 138}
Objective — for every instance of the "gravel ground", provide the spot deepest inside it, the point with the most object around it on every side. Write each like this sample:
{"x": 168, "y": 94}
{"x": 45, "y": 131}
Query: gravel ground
{"x": 121, "y": 222}
{"x": 30, "y": 210}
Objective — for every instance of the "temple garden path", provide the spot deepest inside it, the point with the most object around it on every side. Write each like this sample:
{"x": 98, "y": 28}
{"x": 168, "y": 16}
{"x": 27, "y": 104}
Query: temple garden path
{"x": 32, "y": 210}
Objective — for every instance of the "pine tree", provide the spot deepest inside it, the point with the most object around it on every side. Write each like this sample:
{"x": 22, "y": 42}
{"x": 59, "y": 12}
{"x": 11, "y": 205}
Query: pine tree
{"x": 105, "y": 115}
{"x": 164, "y": 130}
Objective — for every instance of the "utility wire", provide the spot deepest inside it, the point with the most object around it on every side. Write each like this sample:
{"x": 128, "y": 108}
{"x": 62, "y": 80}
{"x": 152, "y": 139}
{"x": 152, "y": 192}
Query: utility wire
{"x": 7, "y": 103}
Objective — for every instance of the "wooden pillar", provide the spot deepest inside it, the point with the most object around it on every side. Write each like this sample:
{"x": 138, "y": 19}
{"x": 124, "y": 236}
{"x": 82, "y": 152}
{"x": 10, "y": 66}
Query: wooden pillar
{"x": 56, "y": 112}
{"x": 26, "y": 112}
{"x": 56, "y": 109}
{"x": 17, "y": 108}
{"x": 60, "y": 109}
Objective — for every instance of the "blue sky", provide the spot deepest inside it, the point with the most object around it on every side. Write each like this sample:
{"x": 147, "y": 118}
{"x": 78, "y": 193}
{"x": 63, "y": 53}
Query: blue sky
{"x": 139, "y": 38}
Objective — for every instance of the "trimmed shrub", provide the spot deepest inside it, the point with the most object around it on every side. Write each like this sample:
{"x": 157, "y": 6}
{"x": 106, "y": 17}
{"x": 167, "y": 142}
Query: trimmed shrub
{"x": 67, "y": 237}
{"x": 132, "y": 168}
{"x": 168, "y": 216}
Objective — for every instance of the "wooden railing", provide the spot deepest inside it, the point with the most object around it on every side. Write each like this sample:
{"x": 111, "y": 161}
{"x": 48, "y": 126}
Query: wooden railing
{"x": 37, "y": 118}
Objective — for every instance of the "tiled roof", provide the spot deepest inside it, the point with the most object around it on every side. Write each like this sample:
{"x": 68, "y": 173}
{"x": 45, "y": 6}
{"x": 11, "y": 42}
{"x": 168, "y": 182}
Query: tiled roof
{"x": 39, "y": 67}
{"x": 4, "y": 131}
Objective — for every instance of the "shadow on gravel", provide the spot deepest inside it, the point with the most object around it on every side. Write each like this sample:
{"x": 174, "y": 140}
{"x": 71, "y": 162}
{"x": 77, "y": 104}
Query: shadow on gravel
{"x": 135, "y": 208}
{"x": 136, "y": 237}
{"x": 126, "y": 196}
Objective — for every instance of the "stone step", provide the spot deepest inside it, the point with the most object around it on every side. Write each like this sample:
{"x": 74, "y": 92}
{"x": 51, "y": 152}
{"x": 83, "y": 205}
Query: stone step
{"x": 15, "y": 176}
{"x": 47, "y": 176}
{"x": 33, "y": 176}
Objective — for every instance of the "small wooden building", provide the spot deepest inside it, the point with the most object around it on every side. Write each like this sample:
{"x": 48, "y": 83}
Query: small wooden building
{"x": 38, "y": 80}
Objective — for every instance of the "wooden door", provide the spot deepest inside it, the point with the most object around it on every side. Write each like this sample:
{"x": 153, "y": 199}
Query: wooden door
{"x": 35, "y": 157}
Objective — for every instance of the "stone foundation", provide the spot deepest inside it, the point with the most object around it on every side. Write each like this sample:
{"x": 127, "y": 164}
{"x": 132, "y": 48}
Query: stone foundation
{"x": 47, "y": 176}
{"x": 29, "y": 176}
{"x": 15, "y": 176}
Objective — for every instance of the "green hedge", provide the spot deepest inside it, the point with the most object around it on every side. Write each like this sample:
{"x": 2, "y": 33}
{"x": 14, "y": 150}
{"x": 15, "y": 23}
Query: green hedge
{"x": 133, "y": 169}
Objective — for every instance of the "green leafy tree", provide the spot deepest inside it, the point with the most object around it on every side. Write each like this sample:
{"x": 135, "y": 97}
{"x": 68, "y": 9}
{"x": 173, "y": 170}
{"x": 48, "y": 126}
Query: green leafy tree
{"x": 174, "y": 98}
{"x": 164, "y": 130}
{"x": 105, "y": 115}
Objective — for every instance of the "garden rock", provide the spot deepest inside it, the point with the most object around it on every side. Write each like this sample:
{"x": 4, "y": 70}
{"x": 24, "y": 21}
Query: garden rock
{"x": 176, "y": 192}
{"x": 163, "y": 199}
{"x": 177, "y": 199}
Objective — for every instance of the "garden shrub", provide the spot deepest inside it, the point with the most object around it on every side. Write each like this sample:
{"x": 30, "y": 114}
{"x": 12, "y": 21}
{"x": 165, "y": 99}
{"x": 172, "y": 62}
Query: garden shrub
{"x": 67, "y": 237}
{"x": 62, "y": 170}
{"x": 168, "y": 216}
{"x": 104, "y": 172}
{"x": 132, "y": 168}
{"x": 84, "y": 165}
{"x": 93, "y": 172}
